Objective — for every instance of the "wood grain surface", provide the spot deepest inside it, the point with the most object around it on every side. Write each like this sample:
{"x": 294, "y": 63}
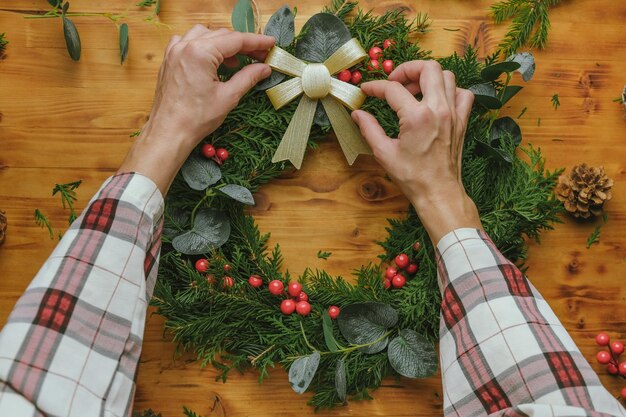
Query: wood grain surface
{"x": 61, "y": 121}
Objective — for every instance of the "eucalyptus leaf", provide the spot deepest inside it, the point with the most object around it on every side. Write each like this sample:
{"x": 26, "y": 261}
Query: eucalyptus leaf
{"x": 123, "y": 42}
{"x": 238, "y": 193}
{"x": 493, "y": 153}
{"x": 274, "y": 79}
{"x": 340, "y": 380}
{"x": 54, "y": 3}
{"x": 72, "y": 39}
{"x": 176, "y": 221}
{"x": 66, "y": 7}
{"x": 527, "y": 64}
{"x": 199, "y": 172}
{"x": 329, "y": 338}
{"x": 302, "y": 371}
{"x": 509, "y": 92}
{"x": 493, "y": 72}
{"x": 505, "y": 127}
{"x": 486, "y": 96}
{"x": 242, "y": 17}
{"x": 367, "y": 324}
{"x": 211, "y": 229}
{"x": 321, "y": 118}
{"x": 412, "y": 355}
{"x": 281, "y": 25}
{"x": 324, "y": 33}
{"x": 157, "y": 8}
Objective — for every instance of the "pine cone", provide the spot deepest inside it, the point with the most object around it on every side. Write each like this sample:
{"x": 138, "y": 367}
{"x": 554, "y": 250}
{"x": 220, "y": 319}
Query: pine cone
{"x": 584, "y": 191}
{"x": 3, "y": 227}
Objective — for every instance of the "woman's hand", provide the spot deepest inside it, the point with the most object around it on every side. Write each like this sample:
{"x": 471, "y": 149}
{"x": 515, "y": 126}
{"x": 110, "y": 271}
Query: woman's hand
{"x": 425, "y": 160}
{"x": 190, "y": 101}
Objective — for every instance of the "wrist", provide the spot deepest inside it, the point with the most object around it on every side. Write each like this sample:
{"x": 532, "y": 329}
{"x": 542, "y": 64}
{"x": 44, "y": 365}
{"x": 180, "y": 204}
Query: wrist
{"x": 447, "y": 210}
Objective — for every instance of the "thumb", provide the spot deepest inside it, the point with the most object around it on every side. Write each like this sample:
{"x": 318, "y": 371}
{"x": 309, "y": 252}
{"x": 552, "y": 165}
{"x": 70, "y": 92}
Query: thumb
{"x": 245, "y": 79}
{"x": 373, "y": 134}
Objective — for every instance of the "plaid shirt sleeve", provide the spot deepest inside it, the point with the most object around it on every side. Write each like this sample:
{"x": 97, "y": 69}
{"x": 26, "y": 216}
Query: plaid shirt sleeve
{"x": 72, "y": 343}
{"x": 503, "y": 352}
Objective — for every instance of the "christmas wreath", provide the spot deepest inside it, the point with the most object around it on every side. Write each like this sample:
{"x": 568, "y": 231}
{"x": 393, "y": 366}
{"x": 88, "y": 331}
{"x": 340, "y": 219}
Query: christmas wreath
{"x": 222, "y": 289}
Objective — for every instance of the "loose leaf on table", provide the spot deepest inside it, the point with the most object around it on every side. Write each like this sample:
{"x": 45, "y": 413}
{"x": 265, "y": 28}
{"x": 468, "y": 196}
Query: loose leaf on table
{"x": 200, "y": 172}
{"x": 123, "y": 42}
{"x": 412, "y": 355}
{"x": 242, "y": 18}
{"x": 527, "y": 64}
{"x": 329, "y": 338}
{"x": 176, "y": 221}
{"x": 238, "y": 193}
{"x": 72, "y": 39}
{"x": 211, "y": 229}
{"x": 340, "y": 380}
{"x": 493, "y": 153}
{"x": 366, "y": 323}
{"x": 493, "y": 72}
{"x": 486, "y": 96}
{"x": 302, "y": 371}
{"x": 509, "y": 92}
{"x": 505, "y": 127}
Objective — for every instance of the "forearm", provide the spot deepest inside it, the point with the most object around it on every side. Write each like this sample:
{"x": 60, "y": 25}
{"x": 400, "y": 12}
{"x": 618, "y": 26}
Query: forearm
{"x": 501, "y": 346}
{"x": 73, "y": 339}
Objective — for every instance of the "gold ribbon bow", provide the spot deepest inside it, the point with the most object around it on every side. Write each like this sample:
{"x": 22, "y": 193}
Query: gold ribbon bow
{"x": 315, "y": 81}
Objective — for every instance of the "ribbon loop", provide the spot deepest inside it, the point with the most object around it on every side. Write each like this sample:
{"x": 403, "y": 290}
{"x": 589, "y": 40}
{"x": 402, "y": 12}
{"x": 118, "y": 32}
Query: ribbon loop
{"x": 314, "y": 79}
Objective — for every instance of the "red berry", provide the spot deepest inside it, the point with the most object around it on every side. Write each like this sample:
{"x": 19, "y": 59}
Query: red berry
{"x": 603, "y": 357}
{"x": 222, "y": 154}
{"x": 227, "y": 267}
{"x": 387, "y": 66}
{"x": 402, "y": 261}
{"x": 344, "y": 76}
{"x": 612, "y": 369}
{"x": 228, "y": 282}
{"x": 356, "y": 77}
{"x": 255, "y": 281}
{"x": 387, "y": 43}
{"x": 208, "y": 150}
{"x": 623, "y": 393}
{"x": 417, "y": 246}
{"x": 391, "y": 272}
{"x": 411, "y": 269}
{"x": 617, "y": 347}
{"x": 294, "y": 289}
{"x": 603, "y": 339}
{"x": 276, "y": 287}
{"x": 375, "y": 53}
{"x": 288, "y": 306}
{"x": 333, "y": 312}
{"x": 622, "y": 368}
{"x": 398, "y": 281}
{"x": 374, "y": 65}
{"x": 303, "y": 308}
{"x": 202, "y": 265}
{"x": 303, "y": 296}
{"x": 387, "y": 284}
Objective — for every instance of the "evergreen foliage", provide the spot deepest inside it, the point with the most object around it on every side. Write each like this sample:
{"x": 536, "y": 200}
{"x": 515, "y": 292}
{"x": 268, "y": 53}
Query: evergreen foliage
{"x": 242, "y": 327}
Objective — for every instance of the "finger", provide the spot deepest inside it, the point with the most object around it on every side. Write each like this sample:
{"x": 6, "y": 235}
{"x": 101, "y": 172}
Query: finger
{"x": 381, "y": 144}
{"x": 217, "y": 32}
{"x": 449, "y": 82}
{"x": 175, "y": 39}
{"x": 195, "y": 32}
{"x": 464, "y": 100}
{"x": 245, "y": 79}
{"x": 234, "y": 43}
{"x": 429, "y": 76}
{"x": 393, "y": 92}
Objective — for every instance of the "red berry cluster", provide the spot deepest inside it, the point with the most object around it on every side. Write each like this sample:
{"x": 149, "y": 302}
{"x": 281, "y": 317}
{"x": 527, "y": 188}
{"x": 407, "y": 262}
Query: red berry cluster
{"x": 376, "y": 54}
{"x": 219, "y": 156}
{"x": 394, "y": 277}
{"x": 202, "y": 265}
{"x": 610, "y": 358}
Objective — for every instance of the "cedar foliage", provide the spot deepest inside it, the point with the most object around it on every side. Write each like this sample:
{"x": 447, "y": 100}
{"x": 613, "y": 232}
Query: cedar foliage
{"x": 242, "y": 327}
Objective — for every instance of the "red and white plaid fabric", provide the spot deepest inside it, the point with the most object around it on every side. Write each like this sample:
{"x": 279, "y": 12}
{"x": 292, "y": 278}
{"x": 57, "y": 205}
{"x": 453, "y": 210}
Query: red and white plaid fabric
{"x": 72, "y": 343}
{"x": 503, "y": 352}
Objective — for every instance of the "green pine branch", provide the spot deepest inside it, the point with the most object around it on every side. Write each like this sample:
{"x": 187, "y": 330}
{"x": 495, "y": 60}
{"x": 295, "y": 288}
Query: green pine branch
{"x": 68, "y": 196}
{"x": 42, "y": 221}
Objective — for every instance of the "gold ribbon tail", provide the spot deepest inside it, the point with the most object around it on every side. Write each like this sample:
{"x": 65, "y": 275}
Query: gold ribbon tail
{"x": 293, "y": 144}
{"x": 347, "y": 132}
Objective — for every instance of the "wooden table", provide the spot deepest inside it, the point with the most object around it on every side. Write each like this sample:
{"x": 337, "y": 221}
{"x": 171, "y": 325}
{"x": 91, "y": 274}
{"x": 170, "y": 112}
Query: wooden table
{"x": 61, "y": 121}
